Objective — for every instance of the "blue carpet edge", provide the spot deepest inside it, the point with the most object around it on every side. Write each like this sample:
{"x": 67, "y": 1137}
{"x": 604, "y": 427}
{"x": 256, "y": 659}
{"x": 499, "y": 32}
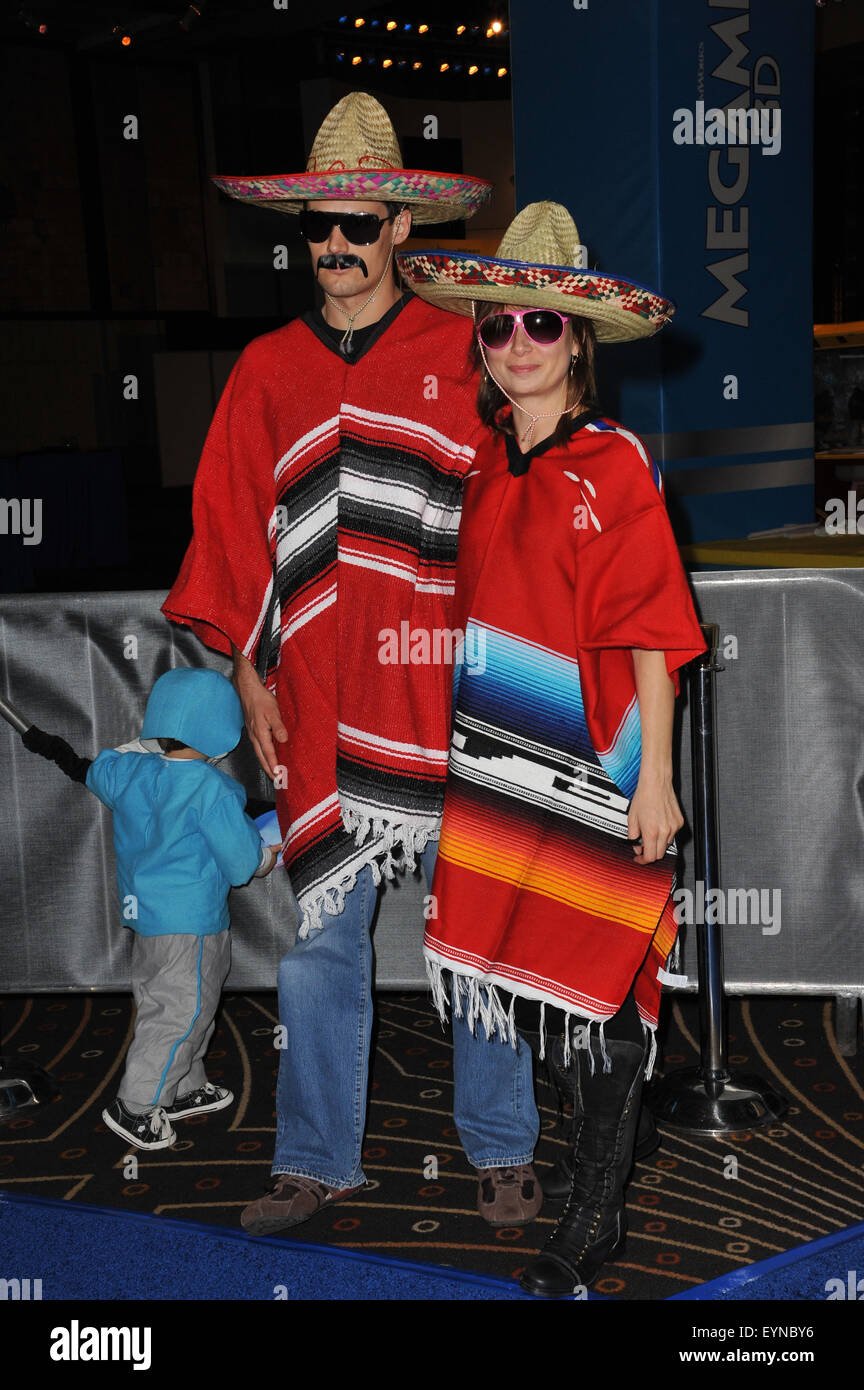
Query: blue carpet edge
{"x": 724, "y": 1283}
{"x": 301, "y": 1247}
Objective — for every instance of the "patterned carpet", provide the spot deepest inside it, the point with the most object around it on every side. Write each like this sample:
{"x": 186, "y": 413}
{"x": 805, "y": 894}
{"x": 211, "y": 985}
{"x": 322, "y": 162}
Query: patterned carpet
{"x": 693, "y": 1211}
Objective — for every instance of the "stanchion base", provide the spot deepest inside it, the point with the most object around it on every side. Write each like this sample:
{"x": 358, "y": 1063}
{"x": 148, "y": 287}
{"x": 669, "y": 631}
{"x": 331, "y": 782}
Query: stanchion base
{"x": 744, "y": 1102}
{"x": 22, "y": 1084}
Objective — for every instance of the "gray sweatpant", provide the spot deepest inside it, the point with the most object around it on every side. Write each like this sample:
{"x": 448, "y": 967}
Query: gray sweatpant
{"x": 177, "y": 983}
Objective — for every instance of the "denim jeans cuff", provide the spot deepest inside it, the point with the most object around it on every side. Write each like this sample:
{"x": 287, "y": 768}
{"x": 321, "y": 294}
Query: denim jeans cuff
{"x": 517, "y": 1162}
{"x": 324, "y": 1178}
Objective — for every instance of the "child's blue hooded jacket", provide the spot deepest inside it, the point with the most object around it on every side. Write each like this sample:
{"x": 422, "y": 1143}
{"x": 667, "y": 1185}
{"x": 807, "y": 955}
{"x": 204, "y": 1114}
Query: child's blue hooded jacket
{"x": 181, "y": 835}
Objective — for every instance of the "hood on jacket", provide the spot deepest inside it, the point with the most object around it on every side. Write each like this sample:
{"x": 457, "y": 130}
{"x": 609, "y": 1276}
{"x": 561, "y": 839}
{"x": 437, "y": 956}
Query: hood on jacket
{"x": 197, "y": 707}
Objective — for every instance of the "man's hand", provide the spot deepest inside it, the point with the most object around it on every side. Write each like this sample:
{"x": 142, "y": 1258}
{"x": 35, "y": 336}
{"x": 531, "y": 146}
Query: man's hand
{"x": 261, "y": 712}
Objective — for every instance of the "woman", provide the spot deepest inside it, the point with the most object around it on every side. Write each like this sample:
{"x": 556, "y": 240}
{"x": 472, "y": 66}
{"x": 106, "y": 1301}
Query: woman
{"x": 557, "y": 858}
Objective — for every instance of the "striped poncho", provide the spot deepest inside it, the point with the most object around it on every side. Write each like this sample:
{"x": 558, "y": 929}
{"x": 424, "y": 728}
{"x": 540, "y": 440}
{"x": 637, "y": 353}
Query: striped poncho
{"x": 326, "y": 511}
{"x": 566, "y": 562}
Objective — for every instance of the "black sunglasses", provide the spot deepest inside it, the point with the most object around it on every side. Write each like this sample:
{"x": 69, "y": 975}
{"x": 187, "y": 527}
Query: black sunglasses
{"x": 360, "y": 228}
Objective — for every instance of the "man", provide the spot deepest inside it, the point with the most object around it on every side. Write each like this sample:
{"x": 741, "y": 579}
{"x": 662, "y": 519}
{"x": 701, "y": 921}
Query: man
{"x": 325, "y": 517}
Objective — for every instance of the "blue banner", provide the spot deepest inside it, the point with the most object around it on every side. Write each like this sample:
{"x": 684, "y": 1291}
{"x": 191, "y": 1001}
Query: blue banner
{"x": 680, "y": 138}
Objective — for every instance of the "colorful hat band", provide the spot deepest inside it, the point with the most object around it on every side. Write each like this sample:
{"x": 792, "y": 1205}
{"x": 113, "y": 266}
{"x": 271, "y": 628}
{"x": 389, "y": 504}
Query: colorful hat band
{"x": 454, "y": 276}
{"x": 451, "y": 195}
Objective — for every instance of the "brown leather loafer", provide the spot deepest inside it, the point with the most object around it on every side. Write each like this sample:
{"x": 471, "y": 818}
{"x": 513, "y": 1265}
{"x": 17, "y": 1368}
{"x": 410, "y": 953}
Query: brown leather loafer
{"x": 509, "y": 1196}
{"x": 290, "y": 1201}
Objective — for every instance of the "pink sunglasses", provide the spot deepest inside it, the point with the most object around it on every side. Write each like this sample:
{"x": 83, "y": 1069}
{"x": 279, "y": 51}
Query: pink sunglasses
{"x": 543, "y": 326}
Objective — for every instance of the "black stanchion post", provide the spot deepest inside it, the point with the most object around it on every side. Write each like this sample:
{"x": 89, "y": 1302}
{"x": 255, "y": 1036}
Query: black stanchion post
{"x": 22, "y": 1082}
{"x": 709, "y": 1098}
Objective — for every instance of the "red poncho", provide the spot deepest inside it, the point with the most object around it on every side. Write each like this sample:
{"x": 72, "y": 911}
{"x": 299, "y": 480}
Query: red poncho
{"x": 326, "y": 510}
{"x": 565, "y": 563}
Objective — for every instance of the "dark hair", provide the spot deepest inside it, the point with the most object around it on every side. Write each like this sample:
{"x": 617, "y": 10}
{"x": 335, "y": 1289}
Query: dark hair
{"x": 171, "y": 745}
{"x": 393, "y": 209}
{"x": 581, "y": 382}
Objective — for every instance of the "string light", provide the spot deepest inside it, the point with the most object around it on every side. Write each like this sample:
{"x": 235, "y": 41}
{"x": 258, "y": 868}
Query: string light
{"x": 472, "y": 70}
{"x": 460, "y": 29}
{"x": 356, "y": 59}
{"x": 445, "y": 67}
{"x": 417, "y": 66}
{"x": 391, "y": 25}
{"x": 502, "y": 72}
{"x": 422, "y": 28}
{"x": 192, "y": 15}
{"x": 358, "y": 23}
{"x": 497, "y": 26}
{"x": 388, "y": 63}
{"x": 126, "y": 41}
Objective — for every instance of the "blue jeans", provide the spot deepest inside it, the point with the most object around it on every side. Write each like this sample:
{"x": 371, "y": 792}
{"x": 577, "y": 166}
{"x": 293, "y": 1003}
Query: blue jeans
{"x": 325, "y": 1005}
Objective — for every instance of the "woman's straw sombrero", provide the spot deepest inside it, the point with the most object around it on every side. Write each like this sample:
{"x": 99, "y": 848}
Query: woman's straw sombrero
{"x": 356, "y": 158}
{"x": 538, "y": 265}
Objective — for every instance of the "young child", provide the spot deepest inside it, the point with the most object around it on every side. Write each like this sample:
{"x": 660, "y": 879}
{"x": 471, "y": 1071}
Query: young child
{"x": 182, "y": 840}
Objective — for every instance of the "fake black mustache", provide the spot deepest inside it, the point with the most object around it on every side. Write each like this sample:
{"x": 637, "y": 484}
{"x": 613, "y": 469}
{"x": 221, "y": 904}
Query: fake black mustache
{"x": 329, "y": 262}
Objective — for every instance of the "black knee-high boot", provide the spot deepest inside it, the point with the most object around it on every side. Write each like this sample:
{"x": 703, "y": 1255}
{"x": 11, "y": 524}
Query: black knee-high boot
{"x": 557, "y": 1182}
{"x": 592, "y": 1226}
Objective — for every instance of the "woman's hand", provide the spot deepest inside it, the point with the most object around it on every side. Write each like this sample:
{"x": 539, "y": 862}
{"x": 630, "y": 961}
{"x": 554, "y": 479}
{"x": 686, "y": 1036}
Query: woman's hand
{"x": 654, "y": 811}
{"x": 655, "y": 816}
{"x": 261, "y": 712}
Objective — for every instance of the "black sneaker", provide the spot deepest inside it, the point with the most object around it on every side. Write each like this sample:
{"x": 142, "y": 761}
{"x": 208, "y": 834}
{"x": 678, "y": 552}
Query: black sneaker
{"x": 152, "y": 1130}
{"x": 207, "y": 1097}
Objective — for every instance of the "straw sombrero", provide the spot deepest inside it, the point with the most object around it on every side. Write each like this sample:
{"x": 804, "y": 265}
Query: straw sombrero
{"x": 356, "y": 158}
{"x": 538, "y": 264}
